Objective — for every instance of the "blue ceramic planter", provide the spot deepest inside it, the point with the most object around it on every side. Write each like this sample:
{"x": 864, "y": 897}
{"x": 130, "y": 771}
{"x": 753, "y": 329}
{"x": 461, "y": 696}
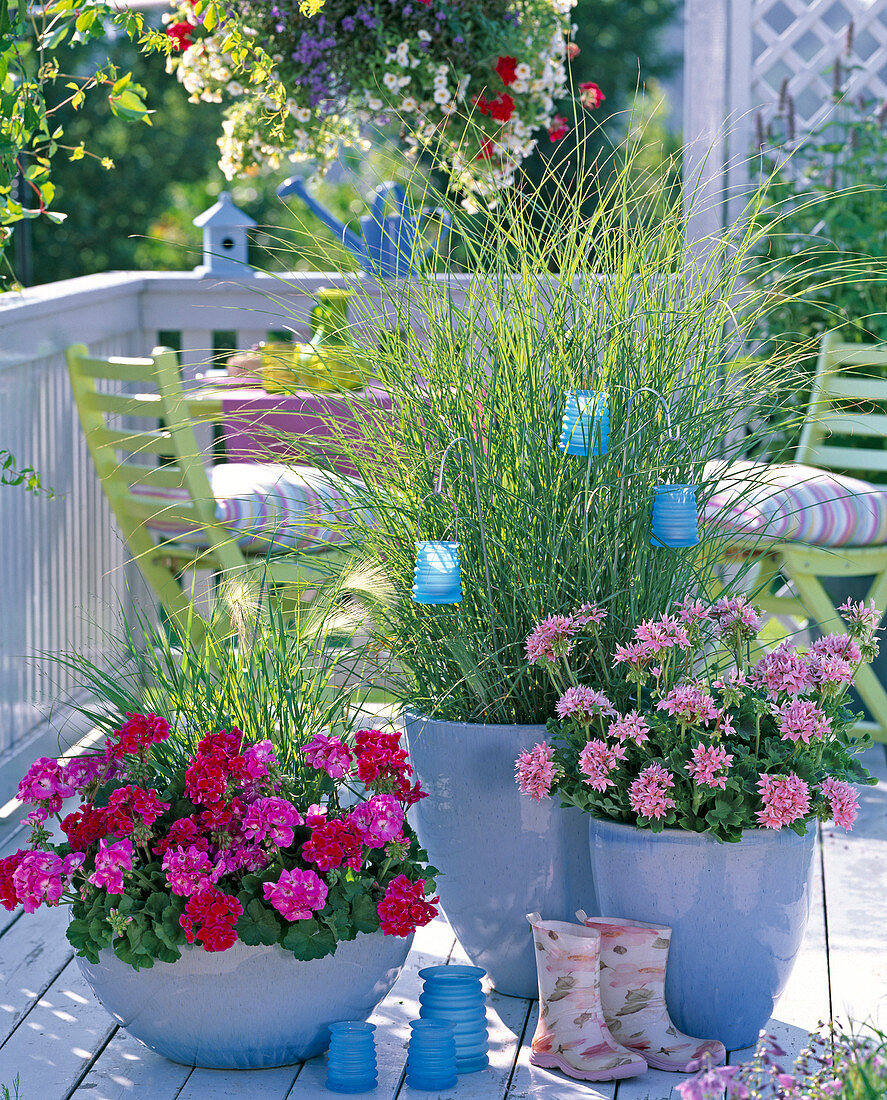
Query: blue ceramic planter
{"x": 502, "y": 855}
{"x": 247, "y": 1007}
{"x": 738, "y": 912}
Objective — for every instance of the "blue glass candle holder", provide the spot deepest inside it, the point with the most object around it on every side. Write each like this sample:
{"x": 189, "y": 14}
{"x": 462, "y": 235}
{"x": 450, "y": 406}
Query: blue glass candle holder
{"x": 431, "y": 1059}
{"x": 586, "y": 424}
{"x": 437, "y": 574}
{"x": 454, "y": 993}
{"x": 352, "y": 1058}
{"x": 675, "y": 517}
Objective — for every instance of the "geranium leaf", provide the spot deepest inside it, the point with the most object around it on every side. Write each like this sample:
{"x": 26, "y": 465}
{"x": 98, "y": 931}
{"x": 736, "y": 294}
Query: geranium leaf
{"x": 308, "y": 939}
{"x": 258, "y": 924}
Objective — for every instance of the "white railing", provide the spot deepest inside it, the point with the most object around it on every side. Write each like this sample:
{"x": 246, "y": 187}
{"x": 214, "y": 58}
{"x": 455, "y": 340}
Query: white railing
{"x": 65, "y": 573}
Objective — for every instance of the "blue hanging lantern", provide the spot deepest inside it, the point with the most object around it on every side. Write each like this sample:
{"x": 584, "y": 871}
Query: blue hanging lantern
{"x": 586, "y": 424}
{"x": 675, "y": 518}
{"x": 437, "y": 574}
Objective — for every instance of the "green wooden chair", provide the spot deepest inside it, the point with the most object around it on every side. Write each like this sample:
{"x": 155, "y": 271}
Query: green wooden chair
{"x": 834, "y": 411}
{"x": 134, "y": 461}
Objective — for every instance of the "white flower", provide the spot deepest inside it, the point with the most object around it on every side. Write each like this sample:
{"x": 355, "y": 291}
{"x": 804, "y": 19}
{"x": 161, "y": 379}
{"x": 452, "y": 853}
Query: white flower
{"x": 424, "y": 36}
{"x": 390, "y": 81}
{"x": 448, "y": 109}
{"x": 519, "y": 86}
{"x": 442, "y": 95}
{"x": 440, "y": 81}
{"x": 403, "y": 54}
{"x": 402, "y": 81}
{"x": 301, "y": 114}
{"x": 523, "y": 71}
{"x": 374, "y": 103}
{"x": 408, "y": 104}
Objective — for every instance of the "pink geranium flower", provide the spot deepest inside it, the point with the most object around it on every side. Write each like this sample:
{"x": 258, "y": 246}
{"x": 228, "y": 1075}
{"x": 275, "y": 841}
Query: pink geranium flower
{"x": 378, "y": 820}
{"x": 297, "y": 895}
{"x": 187, "y": 869}
{"x": 647, "y": 796}
{"x": 110, "y": 862}
{"x": 329, "y": 754}
{"x": 629, "y": 727}
{"x": 786, "y": 798}
{"x": 784, "y": 671}
{"x": 38, "y": 878}
{"x": 690, "y": 704}
{"x": 860, "y": 617}
{"x": 842, "y": 800}
{"x": 709, "y": 766}
{"x": 660, "y": 635}
{"x": 799, "y": 720}
{"x": 584, "y": 705}
{"x": 272, "y": 819}
{"x": 588, "y": 614}
{"x": 737, "y": 617}
{"x": 597, "y": 760}
{"x": 552, "y": 638}
{"x": 535, "y": 771}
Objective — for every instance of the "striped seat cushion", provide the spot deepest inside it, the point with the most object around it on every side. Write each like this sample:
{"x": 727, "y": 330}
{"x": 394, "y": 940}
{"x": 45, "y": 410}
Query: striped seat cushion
{"x": 270, "y": 507}
{"x": 794, "y": 503}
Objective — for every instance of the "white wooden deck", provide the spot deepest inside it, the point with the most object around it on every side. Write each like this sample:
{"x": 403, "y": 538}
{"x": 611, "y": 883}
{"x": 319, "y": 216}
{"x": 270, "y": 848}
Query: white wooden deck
{"x": 62, "y": 1044}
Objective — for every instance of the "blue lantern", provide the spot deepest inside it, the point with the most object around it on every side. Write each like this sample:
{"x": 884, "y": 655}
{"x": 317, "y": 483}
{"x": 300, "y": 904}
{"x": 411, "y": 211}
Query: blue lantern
{"x": 454, "y": 993}
{"x": 431, "y": 1058}
{"x": 437, "y": 575}
{"x": 675, "y": 519}
{"x": 586, "y": 423}
{"x": 352, "y": 1057}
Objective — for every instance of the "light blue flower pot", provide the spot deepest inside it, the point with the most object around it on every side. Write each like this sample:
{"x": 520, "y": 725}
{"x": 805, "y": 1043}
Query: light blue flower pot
{"x": 247, "y": 1007}
{"x": 501, "y": 855}
{"x": 738, "y": 912}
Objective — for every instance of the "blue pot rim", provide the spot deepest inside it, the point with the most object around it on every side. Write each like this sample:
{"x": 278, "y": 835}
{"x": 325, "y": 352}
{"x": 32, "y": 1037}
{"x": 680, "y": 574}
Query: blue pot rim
{"x": 749, "y": 836}
{"x": 346, "y": 1026}
{"x": 423, "y": 720}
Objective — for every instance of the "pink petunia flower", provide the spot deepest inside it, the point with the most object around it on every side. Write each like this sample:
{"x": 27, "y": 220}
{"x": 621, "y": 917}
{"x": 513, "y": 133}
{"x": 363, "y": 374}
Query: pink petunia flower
{"x": 297, "y": 895}
{"x": 535, "y": 772}
{"x": 785, "y": 798}
{"x": 843, "y": 801}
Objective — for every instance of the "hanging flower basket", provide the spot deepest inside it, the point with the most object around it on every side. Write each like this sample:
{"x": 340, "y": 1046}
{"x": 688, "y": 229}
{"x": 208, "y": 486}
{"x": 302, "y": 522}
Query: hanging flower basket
{"x": 476, "y": 84}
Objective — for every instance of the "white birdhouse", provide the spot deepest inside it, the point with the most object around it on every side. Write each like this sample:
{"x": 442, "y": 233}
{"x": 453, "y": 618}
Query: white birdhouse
{"x": 225, "y": 243}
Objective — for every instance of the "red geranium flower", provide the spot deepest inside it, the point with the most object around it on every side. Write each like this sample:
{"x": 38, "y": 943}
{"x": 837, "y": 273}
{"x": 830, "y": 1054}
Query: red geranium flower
{"x": 502, "y": 107}
{"x": 559, "y": 128}
{"x": 506, "y": 67}
{"x": 180, "y": 33}
{"x": 404, "y": 908}
{"x": 590, "y": 95}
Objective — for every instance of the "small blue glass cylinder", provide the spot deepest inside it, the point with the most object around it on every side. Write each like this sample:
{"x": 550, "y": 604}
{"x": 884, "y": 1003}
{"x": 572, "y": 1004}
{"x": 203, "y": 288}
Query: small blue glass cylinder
{"x": 431, "y": 1059}
{"x": 437, "y": 574}
{"x": 675, "y": 517}
{"x": 586, "y": 424}
{"x": 351, "y": 1063}
{"x": 454, "y": 993}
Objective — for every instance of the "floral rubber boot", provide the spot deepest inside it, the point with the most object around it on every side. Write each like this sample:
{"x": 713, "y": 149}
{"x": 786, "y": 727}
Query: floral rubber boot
{"x": 571, "y": 1034}
{"x": 633, "y": 961}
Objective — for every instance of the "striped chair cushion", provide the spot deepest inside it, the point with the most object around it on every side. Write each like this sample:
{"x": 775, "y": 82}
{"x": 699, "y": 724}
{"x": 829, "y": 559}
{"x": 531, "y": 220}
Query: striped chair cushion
{"x": 795, "y": 503}
{"x": 269, "y": 506}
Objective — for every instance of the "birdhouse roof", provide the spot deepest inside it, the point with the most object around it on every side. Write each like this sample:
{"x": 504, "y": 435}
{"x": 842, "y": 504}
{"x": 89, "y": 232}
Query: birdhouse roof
{"x": 224, "y": 215}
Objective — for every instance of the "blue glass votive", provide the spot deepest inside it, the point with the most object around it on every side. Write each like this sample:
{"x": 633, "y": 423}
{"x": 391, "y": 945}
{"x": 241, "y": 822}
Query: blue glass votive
{"x": 454, "y": 993}
{"x": 586, "y": 423}
{"x": 437, "y": 574}
{"x": 351, "y": 1063}
{"x": 431, "y": 1059}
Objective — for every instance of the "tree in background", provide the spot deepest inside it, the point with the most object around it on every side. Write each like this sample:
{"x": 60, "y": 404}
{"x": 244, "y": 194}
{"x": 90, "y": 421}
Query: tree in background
{"x": 139, "y": 215}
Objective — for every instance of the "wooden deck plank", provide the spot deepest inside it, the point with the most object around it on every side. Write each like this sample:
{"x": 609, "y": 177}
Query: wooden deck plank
{"x": 856, "y": 885}
{"x": 33, "y": 952}
{"x": 127, "y": 1070}
{"x": 432, "y": 946}
{"x": 249, "y": 1084}
{"x": 58, "y": 1038}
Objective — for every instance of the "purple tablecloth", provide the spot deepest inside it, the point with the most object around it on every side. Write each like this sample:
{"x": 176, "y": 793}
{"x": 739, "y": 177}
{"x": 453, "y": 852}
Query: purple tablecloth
{"x": 260, "y": 426}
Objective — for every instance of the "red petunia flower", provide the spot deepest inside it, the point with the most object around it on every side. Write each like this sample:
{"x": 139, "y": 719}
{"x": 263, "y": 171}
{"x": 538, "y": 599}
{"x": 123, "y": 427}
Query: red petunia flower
{"x": 482, "y": 103}
{"x": 590, "y": 95}
{"x": 559, "y": 128}
{"x": 506, "y": 67}
{"x": 486, "y": 150}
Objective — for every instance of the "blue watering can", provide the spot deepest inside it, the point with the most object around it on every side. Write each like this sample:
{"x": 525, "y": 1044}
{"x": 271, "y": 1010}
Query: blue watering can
{"x": 389, "y": 245}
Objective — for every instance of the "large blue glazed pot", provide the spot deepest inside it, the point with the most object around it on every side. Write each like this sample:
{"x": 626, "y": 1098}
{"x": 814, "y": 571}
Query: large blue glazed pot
{"x": 247, "y": 1007}
{"x": 501, "y": 855}
{"x": 738, "y": 914}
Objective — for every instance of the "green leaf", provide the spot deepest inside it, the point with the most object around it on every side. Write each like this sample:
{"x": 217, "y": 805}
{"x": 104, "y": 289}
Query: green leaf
{"x": 364, "y": 914}
{"x": 258, "y": 924}
{"x": 309, "y": 939}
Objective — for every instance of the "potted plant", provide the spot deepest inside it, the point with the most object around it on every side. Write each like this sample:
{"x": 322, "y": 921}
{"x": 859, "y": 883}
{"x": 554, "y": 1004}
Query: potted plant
{"x": 223, "y": 911}
{"x": 593, "y": 294}
{"x": 701, "y": 790}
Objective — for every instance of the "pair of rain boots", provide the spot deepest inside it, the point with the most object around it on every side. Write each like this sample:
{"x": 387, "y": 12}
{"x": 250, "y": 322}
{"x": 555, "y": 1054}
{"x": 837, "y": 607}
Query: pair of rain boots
{"x": 602, "y": 1012}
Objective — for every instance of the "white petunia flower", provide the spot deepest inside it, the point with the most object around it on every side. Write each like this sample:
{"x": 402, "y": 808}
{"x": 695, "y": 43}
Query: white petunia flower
{"x": 442, "y": 95}
{"x": 390, "y": 81}
{"x": 408, "y": 104}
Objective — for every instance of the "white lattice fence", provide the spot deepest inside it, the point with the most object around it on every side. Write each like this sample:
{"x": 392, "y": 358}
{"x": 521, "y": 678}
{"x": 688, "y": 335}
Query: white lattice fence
{"x": 738, "y": 54}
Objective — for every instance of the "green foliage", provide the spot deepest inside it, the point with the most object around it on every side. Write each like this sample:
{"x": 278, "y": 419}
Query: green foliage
{"x": 26, "y": 476}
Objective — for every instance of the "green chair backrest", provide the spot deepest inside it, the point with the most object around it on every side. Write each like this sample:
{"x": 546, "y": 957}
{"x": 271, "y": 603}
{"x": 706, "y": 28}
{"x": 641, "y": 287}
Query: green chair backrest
{"x": 846, "y": 404}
